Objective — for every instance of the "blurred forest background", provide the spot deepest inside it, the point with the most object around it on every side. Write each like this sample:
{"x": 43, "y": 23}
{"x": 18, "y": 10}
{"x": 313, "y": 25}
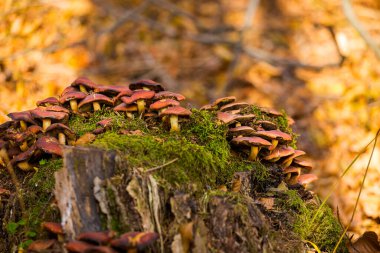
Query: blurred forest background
{"x": 303, "y": 56}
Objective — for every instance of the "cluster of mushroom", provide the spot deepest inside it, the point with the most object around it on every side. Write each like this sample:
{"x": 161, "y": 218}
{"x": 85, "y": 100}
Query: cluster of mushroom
{"x": 40, "y": 131}
{"x": 101, "y": 242}
{"x": 262, "y": 139}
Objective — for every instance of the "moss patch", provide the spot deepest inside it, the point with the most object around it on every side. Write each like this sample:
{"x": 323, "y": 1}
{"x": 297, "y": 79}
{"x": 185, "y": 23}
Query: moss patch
{"x": 323, "y": 230}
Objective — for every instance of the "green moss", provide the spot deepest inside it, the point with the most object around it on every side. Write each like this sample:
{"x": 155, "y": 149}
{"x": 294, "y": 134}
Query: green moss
{"x": 324, "y": 230}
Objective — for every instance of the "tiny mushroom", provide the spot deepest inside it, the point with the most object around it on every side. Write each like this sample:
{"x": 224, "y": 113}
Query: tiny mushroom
{"x": 220, "y": 102}
{"x": 54, "y": 228}
{"x": 140, "y": 98}
{"x": 41, "y": 245}
{"x": 134, "y": 241}
{"x": 279, "y": 152}
{"x": 61, "y": 131}
{"x": 98, "y": 238}
{"x": 306, "y": 179}
{"x": 22, "y": 160}
{"x": 265, "y": 125}
{"x": 162, "y": 105}
{"x": 168, "y": 95}
{"x": 241, "y": 131}
{"x": 22, "y": 117}
{"x": 288, "y": 160}
{"x": 95, "y": 100}
{"x": 254, "y": 142}
{"x": 226, "y": 118}
{"x": 72, "y": 97}
{"x": 84, "y": 84}
{"x": 48, "y": 116}
{"x": 146, "y": 85}
{"x": 49, "y": 145}
{"x": 78, "y": 246}
{"x": 291, "y": 174}
{"x": 174, "y": 112}
{"x": 48, "y": 101}
{"x": 128, "y": 109}
{"x": 275, "y": 136}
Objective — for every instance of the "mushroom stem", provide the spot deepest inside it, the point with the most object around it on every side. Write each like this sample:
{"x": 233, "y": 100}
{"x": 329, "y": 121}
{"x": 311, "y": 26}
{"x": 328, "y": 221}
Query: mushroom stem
{"x": 96, "y": 106}
{"x": 24, "y": 166}
{"x": 23, "y": 125}
{"x": 45, "y": 123}
{"x": 62, "y": 138}
{"x": 146, "y": 88}
{"x": 82, "y": 88}
{"x": 61, "y": 238}
{"x": 174, "y": 127}
{"x": 253, "y": 154}
{"x": 74, "y": 105}
{"x": 237, "y": 124}
{"x": 24, "y": 146}
{"x": 274, "y": 145}
{"x": 141, "y": 106}
{"x": 129, "y": 115}
{"x": 287, "y": 163}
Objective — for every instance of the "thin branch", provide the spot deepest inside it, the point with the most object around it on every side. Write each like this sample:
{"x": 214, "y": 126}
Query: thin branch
{"x": 350, "y": 15}
{"x": 161, "y": 166}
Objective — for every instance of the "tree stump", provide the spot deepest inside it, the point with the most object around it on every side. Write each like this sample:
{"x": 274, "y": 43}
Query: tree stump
{"x": 74, "y": 189}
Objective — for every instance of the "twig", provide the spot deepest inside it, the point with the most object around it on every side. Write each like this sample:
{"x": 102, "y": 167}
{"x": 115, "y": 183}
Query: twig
{"x": 161, "y": 166}
{"x": 350, "y": 15}
{"x": 4, "y": 156}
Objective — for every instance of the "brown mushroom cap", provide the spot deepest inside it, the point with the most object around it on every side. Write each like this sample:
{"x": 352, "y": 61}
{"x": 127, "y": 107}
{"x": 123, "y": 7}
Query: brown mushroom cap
{"x": 266, "y": 124}
{"x": 48, "y": 101}
{"x": 19, "y": 138}
{"x": 288, "y": 160}
{"x": 84, "y": 81}
{"x": 68, "y": 89}
{"x": 53, "y": 227}
{"x": 241, "y": 130}
{"x": 176, "y": 110}
{"x": 123, "y": 107}
{"x": 125, "y": 93}
{"x": 22, "y": 116}
{"x": 149, "y": 84}
{"x": 271, "y": 111}
{"x": 279, "y": 152}
{"x": 24, "y": 156}
{"x": 105, "y": 122}
{"x": 250, "y": 141}
{"x": 99, "y": 238}
{"x": 245, "y": 118}
{"x": 56, "y": 128}
{"x": 113, "y": 90}
{"x": 274, "y": 134}
{"x": 226, "y": 118}
{"x": 223, "y": 101}
{"x": 292, "y": 174}
{"x": 56, "y": 108}
{"x": 207, "y": 107}
{"x": 142, "y": 94}
{"x": 49, "y": 145}
{"x": 78, "y": 246}
{"x": 168, "y": 95}
{"x": 302, "y": 163}
{"x": 94, "y": 97}
{"x": 40, "y": 113}
{"x": 160, "y": 104}
{"x": 234, "y": 106}
{"x": 137, "y": 240}
{"x": 71, "y": 95}
{"x": 306, "y": 179}
{"x": 41, "y": 245}
{"x": 6, "y": 125}
{"x": 36, "y": 129}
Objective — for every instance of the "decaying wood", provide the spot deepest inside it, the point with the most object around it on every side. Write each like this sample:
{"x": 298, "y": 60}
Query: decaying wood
{"x": 74, "y": 189}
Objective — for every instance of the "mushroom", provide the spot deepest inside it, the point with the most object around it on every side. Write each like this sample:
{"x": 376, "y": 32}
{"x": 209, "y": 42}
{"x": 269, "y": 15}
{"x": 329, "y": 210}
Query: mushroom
{"x": 275, "y": 136}
{"x": 168, "y": 95}
{"x": 146, "y": 85}
{"x": 41, "y": 245}
{"x": 47, "y": 116}
{"x": 234, "y": 106}
{"x": 78, "y": 246}
{"x": 23, "y": 139}
{"x": 243, "y": 119}
{"x": 220, "y": 102}
{"x": 48, "y": 101}
{"x": 98, "y": 238}
{"x": 134, "y": 241}
{"x": 84, "y": 84}
{"x": 279, "y": 152}
{"x": 305, "y": 164}
{"x": 291, "y": 175}
{"x": 62, "y": 131}
{"x": 128, "y": 109}
{"x": 72, "y": 97}
{"x": 226, "y": 118}
{"x": 111, "y": 90}
{"x": 306, "y": 179}
{"x": 174, "y": 112}
{"x": 95, "y": 100}
{"x": 254, "y": 142}
{"x": 288, "y": 160}
{"x": 54, "y": 228}
{"x": 49, "y": 145}
{"x": 271, "y": 112}
{"x": 22, "y": 117}
{"x": 162, "y": 105}
{"x": 125, "y": 93}
{"x": 139, "y": 97}
{"x": 241, "y": 131}
{"x": 265, "y": 125}
{"x": 68, "y": 89}
{"x": 22, "y": 160}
